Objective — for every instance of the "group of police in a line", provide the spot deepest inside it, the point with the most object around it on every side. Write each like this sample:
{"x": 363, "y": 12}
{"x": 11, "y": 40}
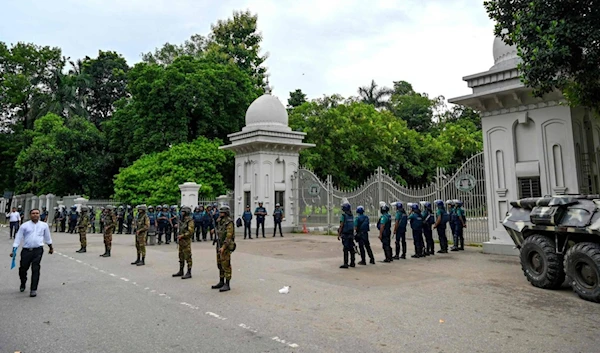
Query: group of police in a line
{"x": 422, "y": 222}
{"x": 261, "y": 212}
{"x": 184, "y": 230}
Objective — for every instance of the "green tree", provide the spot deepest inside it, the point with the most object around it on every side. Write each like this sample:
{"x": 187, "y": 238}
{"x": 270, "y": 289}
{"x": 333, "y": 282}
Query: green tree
{"x": 464, "y": 138}
{"x": 414, "y": 108}
{"x": 104, "y": 79}
{"x": 62, "y": 157}
{"x": 166, "y": 55}
{"x": 26, "y": 72}
{"x": 402, "y": 88}
{"x": 375, "y": 95}
{"x": 154, "y": 178}
{"x": 557, "y": 42}
{"x": 353, "y": 139}
{"x": 11, "y": 143}
{"x": 297, "y": 98}
{"x": 177, "y": 103}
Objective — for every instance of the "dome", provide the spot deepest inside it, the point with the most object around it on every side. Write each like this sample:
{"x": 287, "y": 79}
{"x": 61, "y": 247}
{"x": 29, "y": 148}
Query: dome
{"x": 505, "y": 55}
{"x": 267, "y": 110}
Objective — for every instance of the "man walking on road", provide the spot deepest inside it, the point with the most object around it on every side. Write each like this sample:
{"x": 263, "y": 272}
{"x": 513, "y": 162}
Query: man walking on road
{"x": 33, "y": 234}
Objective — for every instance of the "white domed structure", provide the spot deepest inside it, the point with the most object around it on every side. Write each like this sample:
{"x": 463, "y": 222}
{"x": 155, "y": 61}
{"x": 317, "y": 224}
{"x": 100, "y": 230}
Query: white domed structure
{"x": 267, "y": 112}
{"x": 505, "y": 56}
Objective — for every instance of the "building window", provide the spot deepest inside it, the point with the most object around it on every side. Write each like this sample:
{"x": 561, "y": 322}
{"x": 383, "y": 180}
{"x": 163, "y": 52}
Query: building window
{"x": 279, "y": 197}
{"x": 529, "y": 187}
{"x": 247, "y": 199}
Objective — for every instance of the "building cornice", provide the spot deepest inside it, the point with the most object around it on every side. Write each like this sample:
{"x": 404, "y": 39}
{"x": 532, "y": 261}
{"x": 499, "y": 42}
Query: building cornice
{"x": 524, "y": 107}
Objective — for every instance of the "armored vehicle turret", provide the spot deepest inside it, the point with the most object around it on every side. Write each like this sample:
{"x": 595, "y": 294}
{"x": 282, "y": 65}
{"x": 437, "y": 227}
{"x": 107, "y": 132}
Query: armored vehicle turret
{"x": 558, "y": 237}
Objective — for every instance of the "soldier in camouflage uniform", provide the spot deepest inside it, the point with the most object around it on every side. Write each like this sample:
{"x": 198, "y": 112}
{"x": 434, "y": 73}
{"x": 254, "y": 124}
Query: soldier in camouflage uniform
{"x": 225, "y": 246}
{"x": 186, "y": 232}
{"x": 110, "y": 221}
{"x": 82, "y": 225}
{"x": 142, "y": 224}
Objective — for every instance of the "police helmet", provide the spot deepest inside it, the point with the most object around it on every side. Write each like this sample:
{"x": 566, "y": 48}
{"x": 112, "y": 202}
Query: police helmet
{"x": 277, "y": 205}
{"x": 384, "y": 208}
{"x": 186, "y": 209}
{"x": 142, "y": 208}
{"x": 44, "y": 208}
{"x": 150, "y": 208}
{"x": 458, "y": 203}
{"x": 360, "y": 210}
{"x": 225, "y": 209}
{"x": 346, "y": 207}
{"x": 73, "y": 207}
{"x": 129, "y": 207}
{"x": 439, "y": 203}
{"x": 427, "y": 204}
{"x": 110, "y": 207}
{"x": 260, "y": 203}
{"x": 55, "y": 208}
{"x": 414, "y": 206}
{"x": 215, "y": 204}
{"x": 197, "y": 208}
{"x": 450, "y": 202}
{"x": 399, "y": 205}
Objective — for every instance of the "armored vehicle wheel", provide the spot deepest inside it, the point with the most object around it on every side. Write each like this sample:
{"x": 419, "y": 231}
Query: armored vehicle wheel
{"x": 542, "y": 266}
{"x": 582, "y": 264}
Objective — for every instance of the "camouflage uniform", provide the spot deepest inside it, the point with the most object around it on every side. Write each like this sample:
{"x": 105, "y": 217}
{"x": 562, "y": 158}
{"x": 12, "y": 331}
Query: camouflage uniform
{"x": 110, "y": 221}
{"x": 226, "y": 236}
{"x": 82, "y": 226}
{"x": 186, "y": 232}
{"x": 142, "y": 224}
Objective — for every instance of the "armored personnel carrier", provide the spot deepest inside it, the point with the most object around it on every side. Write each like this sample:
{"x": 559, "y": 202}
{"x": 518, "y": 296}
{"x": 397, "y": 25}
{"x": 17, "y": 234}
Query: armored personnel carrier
{"x": 558, "y": 237}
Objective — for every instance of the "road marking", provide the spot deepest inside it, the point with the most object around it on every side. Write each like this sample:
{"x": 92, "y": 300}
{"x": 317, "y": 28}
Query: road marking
{"x": 217, "y": 316}
{"x": 124, "y": 279}
{"x": 277, "y": 339}
{"x": 112, "y": 274}
{"x": 79, "y": 261}
{"x": 94, "y": 267}
{"x": 248, "y": 328}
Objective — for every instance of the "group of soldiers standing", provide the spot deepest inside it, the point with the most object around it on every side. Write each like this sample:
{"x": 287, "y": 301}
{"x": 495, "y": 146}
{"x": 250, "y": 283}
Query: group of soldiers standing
{"x": 422, "y": 220}
{"x": 185, "y": 225}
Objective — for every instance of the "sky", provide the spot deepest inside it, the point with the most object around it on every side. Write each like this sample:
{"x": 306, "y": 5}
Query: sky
{"x": 323, "y": 47}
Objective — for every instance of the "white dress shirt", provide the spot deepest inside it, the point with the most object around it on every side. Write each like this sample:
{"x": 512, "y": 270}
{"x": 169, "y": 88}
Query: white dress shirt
{"x": 33, "y": 235}
{"x": 15, "y": 217}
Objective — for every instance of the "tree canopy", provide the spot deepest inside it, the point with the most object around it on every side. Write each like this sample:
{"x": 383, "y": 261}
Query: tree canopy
{"x": 155, "y": 178}
{"x": 558, "y": 42}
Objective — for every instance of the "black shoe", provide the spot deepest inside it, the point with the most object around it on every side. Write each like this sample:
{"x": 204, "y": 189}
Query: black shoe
{"x": 22, "y": 288}
{"x": 106, "y": 254}
{"x": 403, "y": 256}
{"x": 281, "y": 235}
{"x": 362, "y": 263}
{"x": 219, "y": 285}
{"x": 136, "y": 261}
{"x": 141, "y": 263}
{"x": 178, "y": 274}
{"x": 263, "y": 236}
{"x": 372, "y": 262}
{"x": 249, "y": 238}
{"x": 416, "y": 256}
{"x": 352, "y": 265}
{"x": 461, "y": 248}
{"x": 33, "y": 293}
{"x": 225, "y": 287}
{"x": 188, "y": 274}
{"x": 387, "y": 260}
{"x": 273, "y": 235}
{"x": 432, "y": 252}
{"x": 396, "y": 257}
{"x": 454, "y": 249}
{"x": 344, "y": 266}
{"x": 81, "y": 250}
{"x": 245, "y": 238}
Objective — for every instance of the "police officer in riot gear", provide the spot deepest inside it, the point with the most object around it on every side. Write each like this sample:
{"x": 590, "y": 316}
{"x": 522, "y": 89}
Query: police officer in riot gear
{"x": 361, "y": 229}
{"x": 440, "y": 225}
{"x": 416, "y": 223}
{"x": 400, "y": 230}
{"x": 385, "y": 232}
{"x": 346, "y": 233}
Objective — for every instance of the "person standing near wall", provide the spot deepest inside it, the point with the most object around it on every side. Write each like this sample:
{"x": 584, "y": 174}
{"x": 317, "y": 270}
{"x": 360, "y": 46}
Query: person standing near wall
{"x": 33, "y": 234}
{"x": 260, "y": 212}
{"x": 15, "y": 222}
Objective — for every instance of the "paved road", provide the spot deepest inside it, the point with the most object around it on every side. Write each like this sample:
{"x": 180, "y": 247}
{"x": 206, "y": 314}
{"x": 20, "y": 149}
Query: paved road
{"x": 460, "y": 302}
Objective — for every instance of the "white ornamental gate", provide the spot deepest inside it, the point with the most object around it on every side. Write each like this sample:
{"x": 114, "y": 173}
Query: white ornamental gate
{"x": 319, "y": 202}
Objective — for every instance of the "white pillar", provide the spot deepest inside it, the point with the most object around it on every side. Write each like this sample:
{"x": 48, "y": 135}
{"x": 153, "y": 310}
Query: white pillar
{"x": 189, "y": 194}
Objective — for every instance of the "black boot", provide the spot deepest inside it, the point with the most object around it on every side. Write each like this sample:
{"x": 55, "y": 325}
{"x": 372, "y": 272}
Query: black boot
{"x": 352, "y": 258}
{"x": 345, "y": 265}
{"x": 397, "y": 257}
{"x": 143, "y": 262}
{"x": 417, "y": 253}
{"x": 220, "y": 284}
{"x": 225, "y": 287}
{"x": 105, "y": 251}
{"x": 403, "y": 256}
{"x": 180, "y": 273}
{"x": 188, "y": 274}
{"x": 136, "y": 261}
{"x": 372, "y": 262}
{"x": 107, "y": 254}
{"x": 82, "y": 250}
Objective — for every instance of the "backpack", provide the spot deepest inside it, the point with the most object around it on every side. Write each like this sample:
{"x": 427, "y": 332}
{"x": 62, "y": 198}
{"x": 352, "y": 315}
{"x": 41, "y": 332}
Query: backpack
{"x": 445, "y": 217}
{"x": 238, "y": 223}
{"x": 430, "y": 219}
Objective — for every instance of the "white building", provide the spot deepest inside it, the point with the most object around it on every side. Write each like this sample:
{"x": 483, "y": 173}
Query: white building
{"x": 266, "y": 160}
{"x": 533, "y": 146}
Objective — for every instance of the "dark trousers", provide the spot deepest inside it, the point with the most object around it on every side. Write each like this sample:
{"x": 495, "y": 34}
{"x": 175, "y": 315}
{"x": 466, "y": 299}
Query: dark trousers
{"x": 430, "y": 248}
{"x": 277, "y": 224}
{"x": 387, "y": 248}
{"x": 72, "y": 225}
{"x": 348, "y": 243}
{"x": 197, "y": 230}
{"x": 459, "y": 241}
{"x": 162, "y": 230}
{"x": 62, "y": 225}
{"x": 418, "y": 240}
{"x": 204, "y": 231}
{"x": 401, "y": 240}
{"x": 56, "y": 222}
{"x": 363, "y": 243}
{"x": 120, "y": 229}
{"x": 260, "y": 222}
{"x": 247, "y": 230}
{"x": 14, "y": 228}
{"x": 442, "y": 237}
{"x": 101, "y": 227}
{"x": 31, "y": 257}
{"x": 93, "y": 226}
{"x": 129, "y": 223}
